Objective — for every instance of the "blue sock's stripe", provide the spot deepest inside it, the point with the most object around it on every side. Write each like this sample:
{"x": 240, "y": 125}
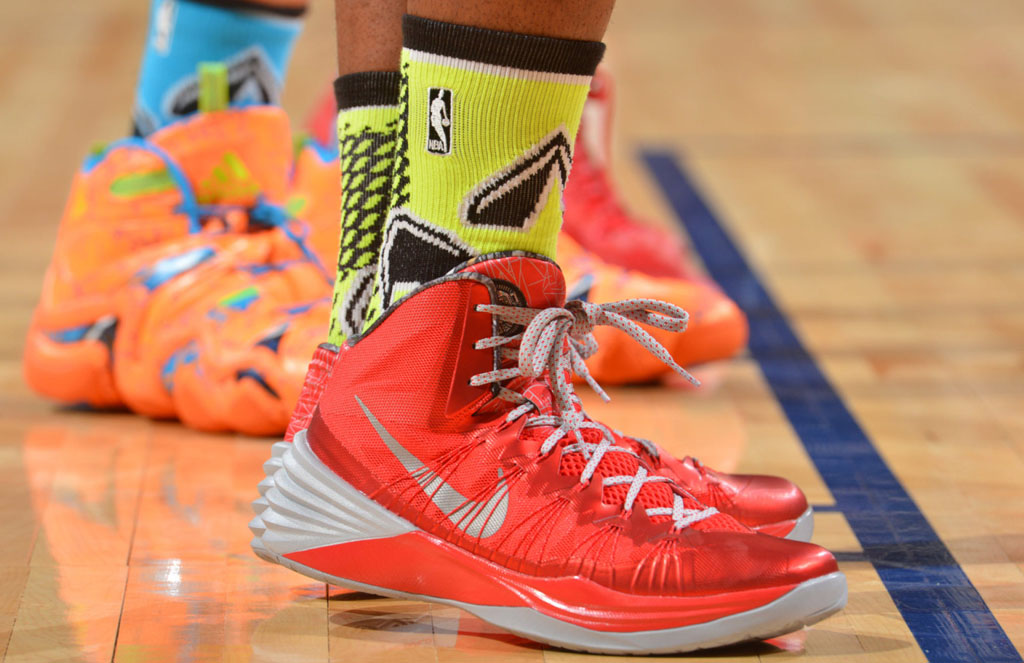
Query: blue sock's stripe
{"x": 255, "y": 45}
{"x": 940, "y": 606}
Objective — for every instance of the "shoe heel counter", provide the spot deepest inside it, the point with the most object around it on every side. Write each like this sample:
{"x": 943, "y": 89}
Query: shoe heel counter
{"x": 321, "y": 367}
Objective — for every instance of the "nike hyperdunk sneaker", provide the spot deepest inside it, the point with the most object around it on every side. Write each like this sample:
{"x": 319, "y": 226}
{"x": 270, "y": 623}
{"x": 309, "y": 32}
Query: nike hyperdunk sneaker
{"x": 717, "y": 328}
{"x": 594, "y": 214}
{"x": 178, "y": 278}
{"x": 450, "y": 461}
{"x": 764, "y": 503}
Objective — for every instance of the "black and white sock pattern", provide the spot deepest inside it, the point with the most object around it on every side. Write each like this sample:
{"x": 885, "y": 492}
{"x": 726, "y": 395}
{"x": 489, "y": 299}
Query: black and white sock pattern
{"x": 415, "y": 252}
{"x": 400, "y": 177}
{"x": 513, "y": 197}
{"x": 350, "y": 305}
{"x": 367, "y": 128}
{"x": 365, "y": 157}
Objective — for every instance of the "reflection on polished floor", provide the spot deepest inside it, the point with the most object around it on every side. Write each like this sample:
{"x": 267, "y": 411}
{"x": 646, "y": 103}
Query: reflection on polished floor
{"x": 131, "y": 534}
{"x": 867, "y": 158}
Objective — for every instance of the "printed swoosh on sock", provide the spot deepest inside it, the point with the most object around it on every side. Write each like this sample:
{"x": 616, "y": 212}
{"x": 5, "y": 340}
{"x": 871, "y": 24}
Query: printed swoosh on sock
{"x": 513, "y": 197}
{"x": 475, "y": 518}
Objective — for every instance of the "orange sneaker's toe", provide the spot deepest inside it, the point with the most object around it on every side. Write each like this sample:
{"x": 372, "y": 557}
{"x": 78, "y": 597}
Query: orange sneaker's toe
{"x": 717, "y": 328}
{"x": 72, "y": 371}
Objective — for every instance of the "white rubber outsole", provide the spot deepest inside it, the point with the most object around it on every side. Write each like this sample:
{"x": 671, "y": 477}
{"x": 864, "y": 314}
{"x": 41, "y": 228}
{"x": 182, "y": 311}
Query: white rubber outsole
{"x": 286, "y": 512}
{"x": 803, "y": 530}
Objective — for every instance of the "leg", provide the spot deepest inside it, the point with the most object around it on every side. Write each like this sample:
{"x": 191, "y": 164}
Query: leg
{"x": 369, "y": 35}
{"x": 448, "y": 457}
{"x": 576, "y": 19}
{"x": 369, "y": 42}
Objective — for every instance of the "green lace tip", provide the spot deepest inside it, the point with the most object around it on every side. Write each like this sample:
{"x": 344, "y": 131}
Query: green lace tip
{"x": 213, "y": 87}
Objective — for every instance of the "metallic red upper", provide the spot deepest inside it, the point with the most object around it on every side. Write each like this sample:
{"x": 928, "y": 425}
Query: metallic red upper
{"x": 403, "y": 424}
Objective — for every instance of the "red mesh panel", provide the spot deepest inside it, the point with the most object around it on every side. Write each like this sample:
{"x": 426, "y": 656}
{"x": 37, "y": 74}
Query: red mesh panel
{"x": 616, "y": 494}
{"x": 613, "y": 464}
{"x": 572, "y": 464}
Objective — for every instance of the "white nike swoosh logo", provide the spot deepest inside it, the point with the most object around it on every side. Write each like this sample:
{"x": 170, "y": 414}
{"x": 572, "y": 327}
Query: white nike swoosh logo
{"x": 475, "y": 518}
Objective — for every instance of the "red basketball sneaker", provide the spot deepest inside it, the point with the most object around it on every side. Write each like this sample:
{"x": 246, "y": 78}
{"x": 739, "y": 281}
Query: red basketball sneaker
{"x": 450, "y": 461}
{"x": 764, "y": 503}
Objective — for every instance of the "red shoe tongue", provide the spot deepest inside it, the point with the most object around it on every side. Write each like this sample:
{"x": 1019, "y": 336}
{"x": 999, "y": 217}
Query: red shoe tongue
{"x": 232, "y": 157}
{"x": 523, "y": 280}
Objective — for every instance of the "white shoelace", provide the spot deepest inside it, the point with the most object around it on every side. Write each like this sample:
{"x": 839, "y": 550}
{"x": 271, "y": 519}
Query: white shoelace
{"x": 558, "y": 340}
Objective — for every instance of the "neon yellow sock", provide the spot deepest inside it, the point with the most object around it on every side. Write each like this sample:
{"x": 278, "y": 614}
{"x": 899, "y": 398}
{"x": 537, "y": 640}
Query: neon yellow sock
{"x": 367, "y": 122}
{"x": 488, "y": 121}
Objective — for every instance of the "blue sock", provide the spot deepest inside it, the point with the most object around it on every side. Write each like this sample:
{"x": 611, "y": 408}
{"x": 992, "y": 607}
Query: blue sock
{"x": 253, "y": 42}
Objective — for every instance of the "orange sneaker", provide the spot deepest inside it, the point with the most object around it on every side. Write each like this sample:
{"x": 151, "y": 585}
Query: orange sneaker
{"x": 717, "y": 328}
{"x": 158, "y": 237}
{"x": 243, "y": 371}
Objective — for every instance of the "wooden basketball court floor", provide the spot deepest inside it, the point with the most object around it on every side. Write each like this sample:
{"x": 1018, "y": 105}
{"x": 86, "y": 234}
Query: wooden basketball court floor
{"x": 851, "y": 170}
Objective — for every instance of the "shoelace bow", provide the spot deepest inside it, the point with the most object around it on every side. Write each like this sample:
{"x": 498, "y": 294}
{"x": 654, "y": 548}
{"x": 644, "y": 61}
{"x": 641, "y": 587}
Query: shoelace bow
{"x": 557, "y": 341}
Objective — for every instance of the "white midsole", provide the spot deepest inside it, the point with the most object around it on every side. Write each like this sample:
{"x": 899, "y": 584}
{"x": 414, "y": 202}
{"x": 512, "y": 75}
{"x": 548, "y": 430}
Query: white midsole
{"x": 803, "y": 529}
{"x": 305, "y": 505}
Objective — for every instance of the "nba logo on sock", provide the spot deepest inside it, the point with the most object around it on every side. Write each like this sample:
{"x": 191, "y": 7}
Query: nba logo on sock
{"x": 439, "y": 120}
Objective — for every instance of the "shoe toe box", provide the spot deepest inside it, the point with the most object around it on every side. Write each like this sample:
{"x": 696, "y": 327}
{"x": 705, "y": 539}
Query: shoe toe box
{"x": 758, "y": 499}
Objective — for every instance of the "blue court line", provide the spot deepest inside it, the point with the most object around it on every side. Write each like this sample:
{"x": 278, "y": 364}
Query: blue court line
{"x": 939, "y": 604}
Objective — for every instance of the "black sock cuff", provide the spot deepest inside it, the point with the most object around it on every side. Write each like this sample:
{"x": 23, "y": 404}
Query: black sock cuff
{"x": 367, "y": 88}
{"x": 251, "y": 6}
{"x": 502, "y": 49}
